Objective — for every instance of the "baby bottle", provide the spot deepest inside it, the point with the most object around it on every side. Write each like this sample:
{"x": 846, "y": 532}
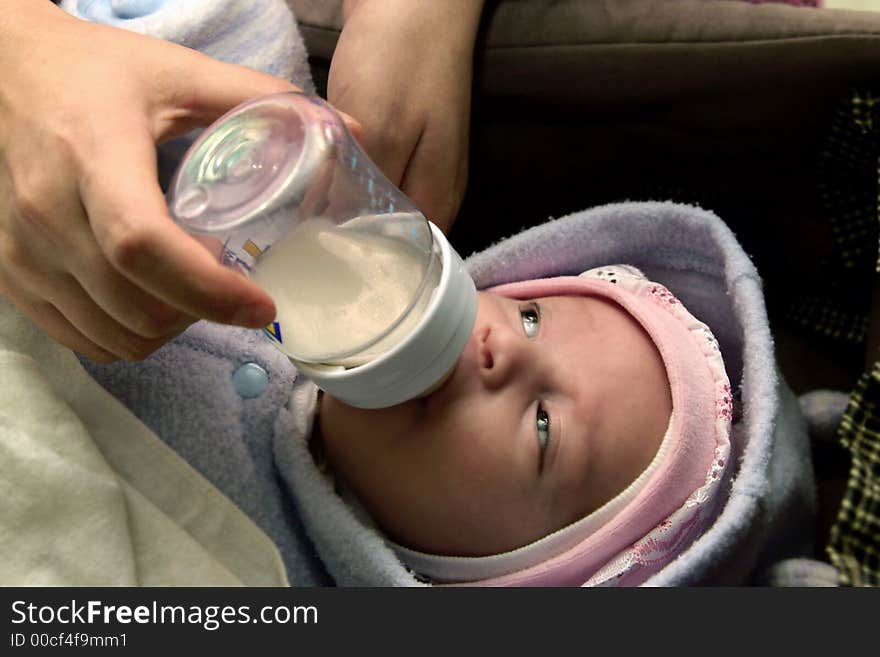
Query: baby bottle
{"x": 373, "y": 304}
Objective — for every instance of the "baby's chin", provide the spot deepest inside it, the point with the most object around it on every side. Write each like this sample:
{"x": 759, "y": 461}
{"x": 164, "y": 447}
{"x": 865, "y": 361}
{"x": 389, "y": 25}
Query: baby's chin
{"x": 437, "y": 386}
{"x": 340, "y": 417}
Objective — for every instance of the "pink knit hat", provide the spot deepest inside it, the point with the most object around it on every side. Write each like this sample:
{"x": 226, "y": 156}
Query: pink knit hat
{"x": 677, "y": 496}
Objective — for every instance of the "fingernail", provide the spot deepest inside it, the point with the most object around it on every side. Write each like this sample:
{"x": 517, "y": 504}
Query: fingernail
{"x": 353, "y": 125}
{"x": 254, "y": 316}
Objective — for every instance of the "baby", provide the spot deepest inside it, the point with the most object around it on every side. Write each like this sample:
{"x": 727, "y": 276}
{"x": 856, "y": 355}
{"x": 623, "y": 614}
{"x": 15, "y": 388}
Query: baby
{"x": 583, "y": 438}
{"x": 587, "y": 416}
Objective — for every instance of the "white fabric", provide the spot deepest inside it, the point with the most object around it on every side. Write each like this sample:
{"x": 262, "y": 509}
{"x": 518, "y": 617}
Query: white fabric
{"x": 92, "y": 497}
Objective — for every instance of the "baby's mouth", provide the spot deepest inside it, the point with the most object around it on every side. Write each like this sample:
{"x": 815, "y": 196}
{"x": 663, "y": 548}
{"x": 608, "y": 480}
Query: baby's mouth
{"x": 474, "y": 355}
{"x": 440, "y": 384}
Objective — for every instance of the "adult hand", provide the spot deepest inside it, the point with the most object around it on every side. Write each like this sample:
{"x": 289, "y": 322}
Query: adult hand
{"x": 403, "y": 69}
{"x": 87, "y": 248}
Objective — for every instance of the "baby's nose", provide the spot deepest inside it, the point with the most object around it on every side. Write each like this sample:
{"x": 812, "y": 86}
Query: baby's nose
{"x": 502, "y": 357}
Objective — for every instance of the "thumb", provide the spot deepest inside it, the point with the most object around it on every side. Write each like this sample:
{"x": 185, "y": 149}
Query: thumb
{"x": 205, "y": 88}
{"x": 131, "y": 225}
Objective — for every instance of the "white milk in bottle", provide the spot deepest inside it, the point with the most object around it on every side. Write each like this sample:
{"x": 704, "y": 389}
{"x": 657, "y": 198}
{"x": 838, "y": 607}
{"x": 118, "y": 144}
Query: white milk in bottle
{"x": 338, "y": 289}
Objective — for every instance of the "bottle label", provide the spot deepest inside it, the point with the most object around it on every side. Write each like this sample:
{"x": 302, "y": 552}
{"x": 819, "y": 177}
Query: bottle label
{"x": 274, "y": 332}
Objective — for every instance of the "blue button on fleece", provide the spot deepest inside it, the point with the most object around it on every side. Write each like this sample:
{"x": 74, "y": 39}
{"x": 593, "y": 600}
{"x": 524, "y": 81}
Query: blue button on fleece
{"x": 134, "y": 8}
{"x": 250, "y": 380}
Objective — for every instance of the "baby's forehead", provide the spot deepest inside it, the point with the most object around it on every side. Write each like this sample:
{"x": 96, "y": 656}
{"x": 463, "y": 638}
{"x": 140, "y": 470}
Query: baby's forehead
{"x": 574, "y": 323}
{"x": 598, "y": 343}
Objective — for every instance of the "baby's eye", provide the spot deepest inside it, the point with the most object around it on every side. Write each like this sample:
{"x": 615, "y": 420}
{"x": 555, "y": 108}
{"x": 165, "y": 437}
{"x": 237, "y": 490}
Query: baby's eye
{"x": 531, "y": 317}
{"x": 542, "y": 421}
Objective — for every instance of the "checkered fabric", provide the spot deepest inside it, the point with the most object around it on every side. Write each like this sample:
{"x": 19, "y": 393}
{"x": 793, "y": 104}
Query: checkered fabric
{"x": 849, "y": 192}
{"x": 854, "y": 542}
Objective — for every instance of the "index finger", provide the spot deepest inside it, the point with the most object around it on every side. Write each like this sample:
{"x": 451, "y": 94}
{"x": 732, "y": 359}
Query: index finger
{"x": 132, "y": 225}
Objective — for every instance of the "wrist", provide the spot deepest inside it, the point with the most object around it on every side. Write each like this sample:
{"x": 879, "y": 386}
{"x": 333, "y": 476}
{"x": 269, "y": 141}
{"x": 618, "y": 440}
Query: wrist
{"x": 446, "y": 19}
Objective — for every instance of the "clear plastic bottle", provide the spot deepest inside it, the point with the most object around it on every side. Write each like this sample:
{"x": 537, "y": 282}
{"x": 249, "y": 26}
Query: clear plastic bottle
{"x": 372, "y": 302}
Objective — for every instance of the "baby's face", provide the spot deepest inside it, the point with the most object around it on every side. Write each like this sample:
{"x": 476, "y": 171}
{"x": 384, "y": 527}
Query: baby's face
{"x": 555, "y": 406}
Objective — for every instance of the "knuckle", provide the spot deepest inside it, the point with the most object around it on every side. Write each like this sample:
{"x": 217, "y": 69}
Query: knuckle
{"x": 128, "y": 247}
{"x": 38, "y": 192}
{"x": 65, "y": 140}
{"x": 158, "y": 320}
{"x": 29, "y": 203}
{"x": 15, "y": 261}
